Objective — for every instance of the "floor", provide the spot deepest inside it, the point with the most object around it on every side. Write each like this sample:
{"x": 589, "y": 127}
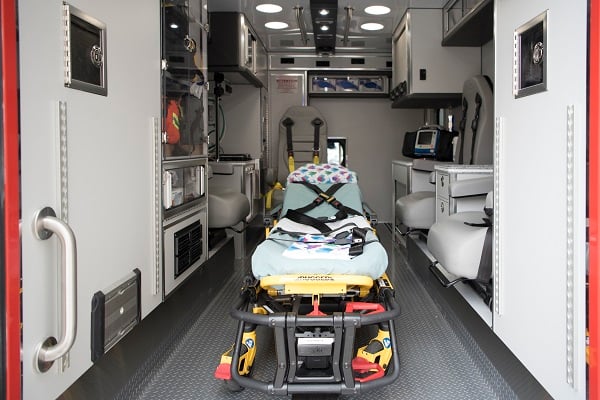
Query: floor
{"x": 439, "y": 359}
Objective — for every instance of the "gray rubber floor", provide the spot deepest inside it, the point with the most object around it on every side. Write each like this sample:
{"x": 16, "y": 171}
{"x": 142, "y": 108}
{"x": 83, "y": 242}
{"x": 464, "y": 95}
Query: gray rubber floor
{"x": 438, "y": 359}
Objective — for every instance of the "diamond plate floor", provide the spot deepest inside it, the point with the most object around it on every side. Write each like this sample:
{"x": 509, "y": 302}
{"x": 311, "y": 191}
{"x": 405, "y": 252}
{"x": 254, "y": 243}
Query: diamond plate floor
{"x": 439, "y": 360}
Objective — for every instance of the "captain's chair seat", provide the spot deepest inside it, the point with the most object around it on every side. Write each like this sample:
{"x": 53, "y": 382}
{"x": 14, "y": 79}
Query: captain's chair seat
{"x": 458, "y": 243}
{"x": 414, "y": 209}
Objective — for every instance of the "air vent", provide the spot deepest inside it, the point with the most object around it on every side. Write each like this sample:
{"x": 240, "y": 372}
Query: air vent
{"x": 287, "y": 60}
{"x": 188, "y": 247}
{"x": 322, "y": 63}
{"x": 286, "y": 43}
{"x": 357, "y": 61}
{"x": 357, "y": 43}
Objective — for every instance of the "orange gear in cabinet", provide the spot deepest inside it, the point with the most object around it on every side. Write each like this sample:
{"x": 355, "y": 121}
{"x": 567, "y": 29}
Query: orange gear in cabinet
{"x": 172, "y": 122}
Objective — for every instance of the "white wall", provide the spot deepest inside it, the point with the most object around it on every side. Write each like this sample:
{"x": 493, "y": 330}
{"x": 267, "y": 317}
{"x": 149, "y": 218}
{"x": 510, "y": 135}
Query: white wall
{"x": 242, "y": 121}
{"x": 375, "y": 134}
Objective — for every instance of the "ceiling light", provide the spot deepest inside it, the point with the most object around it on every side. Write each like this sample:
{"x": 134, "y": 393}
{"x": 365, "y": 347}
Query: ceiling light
{"x": 377, "y": 10}
{"x": 276, "y": 25}
{"x": 269, "y": 8}
{"x": 324, "y": 27}
{"x": 323, "y": 12}
{"x": 372, "y": 26}
{"x": 174, "y": 26}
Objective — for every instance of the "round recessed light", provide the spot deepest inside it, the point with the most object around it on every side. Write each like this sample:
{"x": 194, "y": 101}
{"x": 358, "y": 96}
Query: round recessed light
{"x": 276, "y": 25}
{"x": 377, "y": 10}
{"x": 268, "y": 8}
{"x": 174, "y": 26}
{"x": 323, "y": 12}
{"x": 324, "y": 27}
{"x": 372, "y": 26}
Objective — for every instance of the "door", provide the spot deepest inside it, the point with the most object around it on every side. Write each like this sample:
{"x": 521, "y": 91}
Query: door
{"x": 89, "y": 155}
{"x": 540, "y": 196}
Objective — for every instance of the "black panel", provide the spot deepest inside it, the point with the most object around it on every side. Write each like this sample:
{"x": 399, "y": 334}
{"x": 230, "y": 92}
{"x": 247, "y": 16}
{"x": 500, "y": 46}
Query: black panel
{"x": 188, "y": 247}
{"x": 319, "y": 63}
{"x": 324, "y": 39}
{"x": 287, "y": 60}
{"x": 357, "y": 61}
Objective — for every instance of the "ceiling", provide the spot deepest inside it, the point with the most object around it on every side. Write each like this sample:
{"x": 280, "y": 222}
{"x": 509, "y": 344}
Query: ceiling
{"x": 289, "y": 39}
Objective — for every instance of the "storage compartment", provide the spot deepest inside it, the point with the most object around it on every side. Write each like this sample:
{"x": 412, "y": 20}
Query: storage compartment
{"x": 425, "y": 74}
{"x": 468, "y": 22}
{"x": 185, "y": 247}
{"x": 184, "y": 80}
{"x": 184, "y": 184}
{"x": 235, "y": 49}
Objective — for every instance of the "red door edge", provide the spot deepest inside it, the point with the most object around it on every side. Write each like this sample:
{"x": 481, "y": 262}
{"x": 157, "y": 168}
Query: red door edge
{"x": 594, "y": 199}
{"x": 10, "y": 116}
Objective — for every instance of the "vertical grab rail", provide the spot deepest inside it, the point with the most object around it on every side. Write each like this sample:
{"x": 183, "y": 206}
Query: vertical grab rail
{"x": 46, "y": 224}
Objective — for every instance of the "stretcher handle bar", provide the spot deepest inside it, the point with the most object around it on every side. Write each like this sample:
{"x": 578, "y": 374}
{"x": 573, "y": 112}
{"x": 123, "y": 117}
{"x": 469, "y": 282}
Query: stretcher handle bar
{"x": 46, "y": 224}
{"x": 336, "y": 388}
{"x": 274, "y": 320}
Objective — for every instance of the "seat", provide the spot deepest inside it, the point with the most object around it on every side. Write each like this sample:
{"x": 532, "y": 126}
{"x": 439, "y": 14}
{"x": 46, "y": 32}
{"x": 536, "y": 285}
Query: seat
{"x": 462, "y": 245}
{"x": 475, "y": 146}
{"x": 318, "y": 277}
{"x": 228, "y": 208}
{"x": 295, "y": 147}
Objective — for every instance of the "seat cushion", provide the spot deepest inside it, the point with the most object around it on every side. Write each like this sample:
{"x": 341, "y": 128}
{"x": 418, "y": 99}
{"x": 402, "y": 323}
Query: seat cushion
{"x": 226, "y": 207}
{"x": 416, "y": 210}
{"x": 457, "y": 246}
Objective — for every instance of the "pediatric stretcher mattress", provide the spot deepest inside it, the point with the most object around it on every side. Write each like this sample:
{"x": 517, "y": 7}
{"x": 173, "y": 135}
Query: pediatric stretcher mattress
{"x": 283, "y": 253}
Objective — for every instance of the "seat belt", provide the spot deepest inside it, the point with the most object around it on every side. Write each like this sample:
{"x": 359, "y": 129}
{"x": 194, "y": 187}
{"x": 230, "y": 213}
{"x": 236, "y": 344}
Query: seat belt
{"x": 327, "y": 196}
{"x": 474, "y": 124}
{"x": 462, "y": 126}
{"x": 288, "y": 123}
{"x": 317, "y": 123}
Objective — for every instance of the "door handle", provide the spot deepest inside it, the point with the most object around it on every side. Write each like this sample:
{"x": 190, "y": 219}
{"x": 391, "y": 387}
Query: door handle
{"x": 45, "y": 225}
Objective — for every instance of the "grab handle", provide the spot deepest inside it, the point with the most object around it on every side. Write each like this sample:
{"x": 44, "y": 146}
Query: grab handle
{"x": 45, "y": 224}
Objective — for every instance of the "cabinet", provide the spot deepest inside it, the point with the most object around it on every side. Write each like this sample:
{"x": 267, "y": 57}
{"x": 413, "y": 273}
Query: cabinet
{"x": 184, "y": 79}
{"x": 182, "y": 164}
{"x": 468, "y": 22}
{"x": 236, "y": 50}
{"x": 446, "y": 175}
{"x": 425, "y": 74}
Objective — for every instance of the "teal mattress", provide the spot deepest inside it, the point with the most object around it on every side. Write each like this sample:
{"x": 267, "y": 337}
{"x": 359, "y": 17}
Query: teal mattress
{"x": 284, "y": 254}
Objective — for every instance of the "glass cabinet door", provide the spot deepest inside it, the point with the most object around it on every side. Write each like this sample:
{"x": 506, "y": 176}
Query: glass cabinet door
{"x": 183, "y": 185}
{"x": 184, "y": 76}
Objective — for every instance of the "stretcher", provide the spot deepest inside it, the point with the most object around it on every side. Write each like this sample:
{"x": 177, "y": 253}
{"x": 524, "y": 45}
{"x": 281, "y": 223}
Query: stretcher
{"x": 317, "y": 280}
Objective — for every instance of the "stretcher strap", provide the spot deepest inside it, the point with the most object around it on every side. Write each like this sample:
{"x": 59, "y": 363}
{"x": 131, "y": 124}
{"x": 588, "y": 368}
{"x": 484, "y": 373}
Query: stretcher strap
{"x": 462, "y": 126}
{"x": 474, "y": 124}
{"x": 328, "y": 197}
{"x": 288, "y": 123}
{"x": 317, "y": 123}
{"x": 304, "y": 219}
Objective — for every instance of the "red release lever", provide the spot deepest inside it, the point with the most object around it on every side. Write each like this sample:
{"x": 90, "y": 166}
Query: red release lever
{"x": 361, "y": 306}
{"x": 362, "y": 367}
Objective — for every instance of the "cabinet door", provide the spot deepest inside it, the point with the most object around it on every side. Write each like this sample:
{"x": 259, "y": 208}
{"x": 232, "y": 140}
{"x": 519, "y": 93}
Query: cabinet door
{"x": 184, "y": 123}
{"x": 90, "y": 158}
{"x": 539, "y": 297}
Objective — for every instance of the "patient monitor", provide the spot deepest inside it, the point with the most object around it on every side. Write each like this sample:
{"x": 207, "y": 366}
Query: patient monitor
{"x": 426, "y": 142}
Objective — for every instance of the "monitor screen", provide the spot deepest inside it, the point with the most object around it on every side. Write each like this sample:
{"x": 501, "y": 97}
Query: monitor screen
{"x": 424, "y": 137}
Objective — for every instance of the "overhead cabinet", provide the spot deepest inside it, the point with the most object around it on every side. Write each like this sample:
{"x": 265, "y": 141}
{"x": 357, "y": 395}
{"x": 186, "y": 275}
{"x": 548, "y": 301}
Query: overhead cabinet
{"x": 468, "y": 22}
{"x": 235, "y": 49}
{"x": 425, "y": 74}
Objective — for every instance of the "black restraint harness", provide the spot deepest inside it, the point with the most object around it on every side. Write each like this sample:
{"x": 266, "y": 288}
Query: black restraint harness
{"x": 299, "y": 215}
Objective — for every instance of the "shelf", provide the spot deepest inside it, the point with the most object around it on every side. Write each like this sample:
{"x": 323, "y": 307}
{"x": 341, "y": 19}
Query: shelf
{"x": 428, "y": 100}
{"x": 474, "y": 29}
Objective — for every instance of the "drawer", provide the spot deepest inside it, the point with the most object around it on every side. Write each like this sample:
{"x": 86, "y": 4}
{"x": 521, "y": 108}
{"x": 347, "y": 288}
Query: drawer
{"x": 442, "y": 181}
{"x": 442, "y": 208}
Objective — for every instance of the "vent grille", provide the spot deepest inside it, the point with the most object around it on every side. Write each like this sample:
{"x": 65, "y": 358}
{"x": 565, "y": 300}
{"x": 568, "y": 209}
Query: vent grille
{"x": 188, "y": 247}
